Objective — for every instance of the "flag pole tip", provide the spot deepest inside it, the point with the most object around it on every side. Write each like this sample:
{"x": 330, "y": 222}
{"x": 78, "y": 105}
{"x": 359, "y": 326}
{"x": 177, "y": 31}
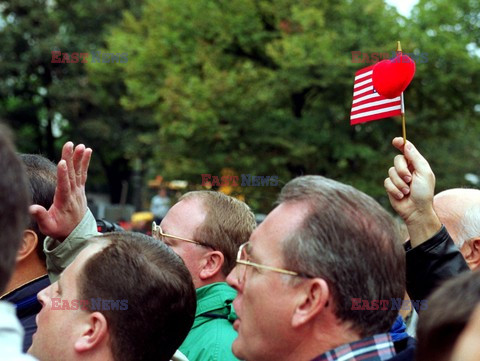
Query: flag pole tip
{"x": 399, "y": 47}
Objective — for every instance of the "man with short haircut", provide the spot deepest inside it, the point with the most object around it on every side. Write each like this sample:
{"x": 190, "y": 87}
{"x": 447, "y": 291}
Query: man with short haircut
{"x": 459, "y": 211}
{"x": 324, "y": 244}
{"x": 14, "y": 201}
{"x": 141, "y": 303}
{"x": 30, "y": 275}
{"x": 449, "y": 310}
{"x": 204, "y": 228}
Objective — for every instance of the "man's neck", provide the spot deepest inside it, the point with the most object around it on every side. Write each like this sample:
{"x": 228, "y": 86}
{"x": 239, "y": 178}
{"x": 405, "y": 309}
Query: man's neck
{"x": 24, "y": 274}
{"x": 200, "y": 283}
{"x": 321, "y": 341}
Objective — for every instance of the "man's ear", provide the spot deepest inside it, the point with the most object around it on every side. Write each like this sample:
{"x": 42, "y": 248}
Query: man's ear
{"x": 212, "y": 264}
{"x": 28, "y": 245}
{"x": 473, "y": 256}
{"x": 313, "y": 296}
{"x": 94, "y": 332}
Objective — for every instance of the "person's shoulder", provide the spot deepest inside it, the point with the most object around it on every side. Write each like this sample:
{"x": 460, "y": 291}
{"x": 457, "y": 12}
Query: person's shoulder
{"x": 405, "y": 350}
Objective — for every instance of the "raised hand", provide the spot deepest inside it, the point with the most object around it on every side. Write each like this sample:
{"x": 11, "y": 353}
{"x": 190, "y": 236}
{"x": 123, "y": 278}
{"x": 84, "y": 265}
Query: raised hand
{"x": 410, "y": 187}
{"x": 70, "y": 202}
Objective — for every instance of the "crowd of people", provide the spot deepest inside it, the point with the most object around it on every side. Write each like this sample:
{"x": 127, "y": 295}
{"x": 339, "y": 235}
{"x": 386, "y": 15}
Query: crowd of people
{"x": 323, "y": 277}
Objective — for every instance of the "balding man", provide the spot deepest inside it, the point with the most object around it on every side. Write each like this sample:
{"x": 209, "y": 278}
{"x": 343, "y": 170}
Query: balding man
{"x": 459, "y": 210}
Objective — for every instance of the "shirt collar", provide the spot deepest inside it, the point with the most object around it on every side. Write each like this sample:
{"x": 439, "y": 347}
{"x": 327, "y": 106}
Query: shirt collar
{"x": 375, "y": 348}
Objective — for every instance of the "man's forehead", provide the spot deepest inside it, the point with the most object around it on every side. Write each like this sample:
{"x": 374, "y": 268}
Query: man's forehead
{"x": 286, "y": 217}
{"x": 279, "y": 224}
{"x": 188, "y": 212}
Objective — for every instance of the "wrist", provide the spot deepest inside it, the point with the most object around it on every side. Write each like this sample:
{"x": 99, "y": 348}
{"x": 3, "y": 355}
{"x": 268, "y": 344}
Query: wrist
{"x": 422, "y": 226}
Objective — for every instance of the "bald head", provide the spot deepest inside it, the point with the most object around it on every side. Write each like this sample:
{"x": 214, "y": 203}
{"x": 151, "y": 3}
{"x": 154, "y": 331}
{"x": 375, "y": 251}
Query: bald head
{"x": 459, "y": 210}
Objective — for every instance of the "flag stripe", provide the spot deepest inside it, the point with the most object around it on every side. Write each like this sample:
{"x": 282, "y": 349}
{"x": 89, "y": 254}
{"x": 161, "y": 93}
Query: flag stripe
{"x": 361, "y": 76}
{"x": 378, "y": 110}
{"x": 374, "y": 117}
{"x": 373, "y": 104}
{"x": 357, "y": 85}
{"x": 366, "y": 97}
{"x": 367, "y": 104}
{"x": 365, "y": 84}
{"x": 364, "y": 90}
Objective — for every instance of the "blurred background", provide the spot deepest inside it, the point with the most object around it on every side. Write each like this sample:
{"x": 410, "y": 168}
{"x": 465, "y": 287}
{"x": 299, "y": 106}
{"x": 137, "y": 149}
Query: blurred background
{"x": 232, "y": 87}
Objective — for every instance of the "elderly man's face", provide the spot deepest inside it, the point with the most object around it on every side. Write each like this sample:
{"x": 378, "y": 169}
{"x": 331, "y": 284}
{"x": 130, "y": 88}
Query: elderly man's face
{"x": 266, "y": 301}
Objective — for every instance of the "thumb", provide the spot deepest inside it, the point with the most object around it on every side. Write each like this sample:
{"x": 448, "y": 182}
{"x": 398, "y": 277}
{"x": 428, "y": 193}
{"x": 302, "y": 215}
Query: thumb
{"x": 417, "y": 160}
{"x": 412, "y": 155}
{"x": 42, "y": 217}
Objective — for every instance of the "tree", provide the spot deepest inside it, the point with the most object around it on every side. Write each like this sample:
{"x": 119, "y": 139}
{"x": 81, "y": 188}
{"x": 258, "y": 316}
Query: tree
{"x": 49, "y": 103}
{"x": 260, "y": 87}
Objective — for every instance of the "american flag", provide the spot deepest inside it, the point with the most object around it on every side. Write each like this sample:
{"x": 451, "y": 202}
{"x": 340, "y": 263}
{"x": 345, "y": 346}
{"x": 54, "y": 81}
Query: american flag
{"x": 367, "y": 104}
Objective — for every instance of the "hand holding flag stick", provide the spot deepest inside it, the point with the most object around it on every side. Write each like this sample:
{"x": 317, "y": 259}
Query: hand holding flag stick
{"x": 378, "y": 90}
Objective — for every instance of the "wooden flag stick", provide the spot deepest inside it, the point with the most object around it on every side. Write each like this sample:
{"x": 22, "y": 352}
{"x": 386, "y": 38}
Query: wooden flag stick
{"x": 404, "y": 127}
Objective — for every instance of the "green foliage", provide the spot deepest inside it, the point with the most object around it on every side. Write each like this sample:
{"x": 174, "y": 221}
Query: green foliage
{"x": 258, "y": 86}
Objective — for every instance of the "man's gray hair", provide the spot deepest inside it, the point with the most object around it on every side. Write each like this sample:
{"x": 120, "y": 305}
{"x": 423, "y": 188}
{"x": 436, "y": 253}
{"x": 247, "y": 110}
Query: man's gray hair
{"x": 350, "y": 241}
{"x": 469, "y": 225}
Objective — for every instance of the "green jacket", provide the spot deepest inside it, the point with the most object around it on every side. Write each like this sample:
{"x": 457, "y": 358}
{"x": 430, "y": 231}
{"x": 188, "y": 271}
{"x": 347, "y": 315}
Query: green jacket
{"x": 212, "y": 333}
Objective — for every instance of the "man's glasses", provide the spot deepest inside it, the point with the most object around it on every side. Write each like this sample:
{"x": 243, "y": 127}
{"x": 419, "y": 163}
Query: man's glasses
{"x": 243, "y": 262}
{"x": 158, "y": 233}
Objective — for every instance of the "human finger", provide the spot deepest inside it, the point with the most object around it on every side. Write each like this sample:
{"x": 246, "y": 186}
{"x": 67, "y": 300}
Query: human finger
{"x": 87, "y": 155}
{"x": 392, "y": 190}
{"x": 402, "y": 168}
{"x": 77, "y": 159}
{"x": 67, "y": 155}
{"x": 398, "y": 181}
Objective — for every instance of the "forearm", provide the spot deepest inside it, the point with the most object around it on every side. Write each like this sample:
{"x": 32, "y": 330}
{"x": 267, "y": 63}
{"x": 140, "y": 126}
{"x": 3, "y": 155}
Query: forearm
{"x": 422, "y": 226}
{"x": 61, "y": 254}
{"x": 432, "y": 262}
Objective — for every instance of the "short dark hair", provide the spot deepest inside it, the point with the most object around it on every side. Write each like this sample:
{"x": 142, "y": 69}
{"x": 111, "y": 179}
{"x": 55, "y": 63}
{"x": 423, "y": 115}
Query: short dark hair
{"x": 14, "y": 201}
{"x": 42, "y": 177}
{"x": 157, "y": 286}
{"x": 228, "y": 223}
{"x": 349, "y": 240}
{"x": 449, "y": 309}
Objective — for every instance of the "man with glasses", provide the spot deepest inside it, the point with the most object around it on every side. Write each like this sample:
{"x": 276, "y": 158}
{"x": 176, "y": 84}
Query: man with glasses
{"x": 325, "y": 244}
{"x": 204, "y": 228}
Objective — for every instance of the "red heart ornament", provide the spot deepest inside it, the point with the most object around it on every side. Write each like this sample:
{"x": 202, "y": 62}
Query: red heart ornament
{"x": 391, "y": 77}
